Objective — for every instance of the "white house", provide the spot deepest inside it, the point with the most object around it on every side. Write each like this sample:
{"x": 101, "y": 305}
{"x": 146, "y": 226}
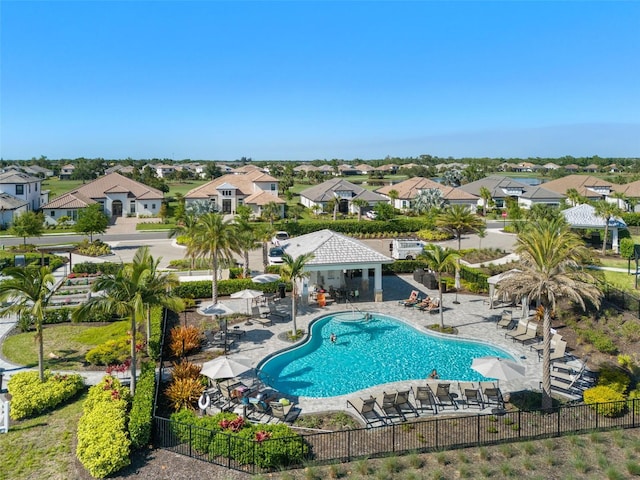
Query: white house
{"x": 342, "y": 190}
{"x": 10, "y": 207}
{"x": 23, "y": 187}
{"x": 119, "y": 196}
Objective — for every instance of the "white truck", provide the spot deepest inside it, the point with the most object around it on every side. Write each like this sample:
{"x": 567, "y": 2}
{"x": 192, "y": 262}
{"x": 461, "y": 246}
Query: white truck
{"x": 406, "y": 248}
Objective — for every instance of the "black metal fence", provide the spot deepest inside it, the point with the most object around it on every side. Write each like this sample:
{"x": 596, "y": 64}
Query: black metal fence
{"x": 621, "y": 299}
{"x": 424, "y": 435}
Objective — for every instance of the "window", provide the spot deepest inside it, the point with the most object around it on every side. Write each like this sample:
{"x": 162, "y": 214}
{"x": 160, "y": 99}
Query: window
{"x": 227, "y": 193}
{"x": 146, "y": 206}
{"x": 53, "y": 213}
{"x": 153, "y": 206}
{"x": 19, "y": 189}
{"x": 273, "y": 187}
{"x": 132, "y": 206}
{"x": 36, "y": 187}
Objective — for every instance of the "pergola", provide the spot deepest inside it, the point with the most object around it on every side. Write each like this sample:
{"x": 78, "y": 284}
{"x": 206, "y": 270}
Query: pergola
{"x": 584, "y": 216}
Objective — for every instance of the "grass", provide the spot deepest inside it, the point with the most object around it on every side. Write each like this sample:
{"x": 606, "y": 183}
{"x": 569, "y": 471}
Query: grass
{"x": 69, "y": 342}
{"x": 57, "y": 187}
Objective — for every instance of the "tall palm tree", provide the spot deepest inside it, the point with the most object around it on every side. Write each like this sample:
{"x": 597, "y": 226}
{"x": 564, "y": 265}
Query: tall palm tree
{"x": 29, "y": 290}
{"x": 485, "y": 195}
{"x": 439, "y": 260}
{"x": 272, "y": 212}
{"x": 458, "y": 220}
{"x": 574, "y": 197}
{"x": 186, "y": 229}
{"x": 264, "y": 234}
{"x": 130, "y": 293}
{"x": 293, "y": 271}
{"x": 550, "y": 256}
{"x": 215, "y": 239}
{"x": 247, "y": 241}
{"x": 607, "y": 211}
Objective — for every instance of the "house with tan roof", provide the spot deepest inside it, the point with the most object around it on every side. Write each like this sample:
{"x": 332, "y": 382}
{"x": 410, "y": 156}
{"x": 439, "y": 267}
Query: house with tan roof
{"x": 364, "y": 169}
{"x": 631, "y": 191}
{"x": 118, "y": 195}
{"x": 337, "y": 188}
{"x": 590, "y": 187}
{"x": 410, "y": 188}
{"x": 66, "y": 171}
{"x": 502, "y": 188}
{"x": 254, "y": 189}
{"x": 247, "y": 169}
{"x": 346, "y": 169}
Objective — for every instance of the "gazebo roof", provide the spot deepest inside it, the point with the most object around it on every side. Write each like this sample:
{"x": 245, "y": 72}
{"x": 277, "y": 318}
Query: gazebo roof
{"x": 584, "y": 216}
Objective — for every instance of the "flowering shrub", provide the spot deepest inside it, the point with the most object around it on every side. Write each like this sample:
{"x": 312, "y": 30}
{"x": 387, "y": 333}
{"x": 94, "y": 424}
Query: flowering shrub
{"x": 103, "y": 442}
{"x": 32, "y": 397}
{"x": 605, "y": 400}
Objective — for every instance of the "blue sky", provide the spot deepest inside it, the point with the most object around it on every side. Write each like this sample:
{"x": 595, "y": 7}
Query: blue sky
{"x": 307, "y": 80}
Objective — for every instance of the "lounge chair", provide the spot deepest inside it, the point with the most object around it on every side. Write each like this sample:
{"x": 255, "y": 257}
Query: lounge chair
{"x": 424, "y": 304}
{"x": 280, "y": 411}
{"x": 366, "y": 409}
{"x": 471, "y": 394}
{"x": 538, "y": 347}
{"x": 559, "y": 353}
{"x": 521, "y": 329}
{"x": 279, "y": 314}
{"x": 435, "y": 306}
{"x": 403, "y": 404}
{"x": 413, "y": 297}
{"x": 530, "y": 334}
{"x": 442, "y": 394}
{"x": 387, "y": 404}
{"x": 493, "y": 396}
{"x": 505, "y": 320}
{"x": 425, "y": 399}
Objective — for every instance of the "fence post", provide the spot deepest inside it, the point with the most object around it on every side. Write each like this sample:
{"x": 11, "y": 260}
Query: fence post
{"x": 597, "y": 416}
{"x": 190, "y": 439}
{"x": 348, "y": 445}
{"x": 558, "y": 422}
{"x": 393, "y": 437}
{"x": 437, "y": 429}
{"x": 519, "y": 423}
{"x": 633, "y": 413}
{"x": 478, "y": 429}
{"x": 229, "y": 451}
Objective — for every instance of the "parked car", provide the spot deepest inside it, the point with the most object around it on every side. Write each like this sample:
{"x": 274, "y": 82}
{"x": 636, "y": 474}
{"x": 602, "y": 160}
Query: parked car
{"x": 275, "y": 255}
{"x": 280, "y": 239}
{"x": 406, "y": 248}
{"x": 372, "y": 214}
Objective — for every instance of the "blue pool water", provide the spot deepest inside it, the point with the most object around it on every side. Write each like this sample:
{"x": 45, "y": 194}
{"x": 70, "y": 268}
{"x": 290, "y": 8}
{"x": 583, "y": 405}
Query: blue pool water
{"x": 369, "y": 353}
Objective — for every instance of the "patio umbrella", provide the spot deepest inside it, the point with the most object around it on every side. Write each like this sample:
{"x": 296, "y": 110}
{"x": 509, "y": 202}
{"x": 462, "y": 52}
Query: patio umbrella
{"x": 497, "y": 367}
{"x": 215, "y": 309}
{"x": 249, "y": 295}
{"x": 225, "y": 367}
{"x": 266, "y": 278}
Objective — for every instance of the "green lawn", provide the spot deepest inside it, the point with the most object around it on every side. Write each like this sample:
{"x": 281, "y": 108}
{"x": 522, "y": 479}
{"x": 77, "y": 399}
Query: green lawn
{"x": 57, "y": 187}
{"x": 69, "y": 342}
{"x": 184, "y": 187}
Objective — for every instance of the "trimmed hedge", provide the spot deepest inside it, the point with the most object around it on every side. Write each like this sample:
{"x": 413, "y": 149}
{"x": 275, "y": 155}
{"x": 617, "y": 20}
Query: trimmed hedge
{"x": 108, "y": 268}
{"x": 32, "y": 397}
{"x": 202, "y": 288}
{"x": 155, "y": 340}
{"x": 109, "y": 352}
{"x": 278, "y": 446}
{"x": 403, "y": 266}
{"x": 141, "y": 416}
{"x": 352, "y": 227}
{"x": 103, "y": 443}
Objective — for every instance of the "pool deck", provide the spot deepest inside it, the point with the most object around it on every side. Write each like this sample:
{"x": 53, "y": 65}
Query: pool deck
{"x": 471, "y": 316}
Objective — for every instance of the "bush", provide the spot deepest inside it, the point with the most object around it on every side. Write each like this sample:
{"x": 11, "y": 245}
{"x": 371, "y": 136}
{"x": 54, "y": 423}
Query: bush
{"x": 627, "y": 248}
{"x": 614, "y": 378}
{"x": 434, "y": 235}
{"x": 141, "y": 416}
{"x": 605, "y": 400}
{"x": 32, "y": 397}
{"x": 183, "y": 340}
{"x": 403, "y": 266}
{"x": 598, "y": 339}
{"x": 155, "y": 340}
{"x": 401, "y": 225}
{"x": 108, "y": 268}
{"x": 110, "y": 352}
{"x": 103, "y": 444}
{"x": 185, "y": 369}
{"x": 634, "y": 401}
{"x": 202, "y": 288}
{"x": 183, "y": 393}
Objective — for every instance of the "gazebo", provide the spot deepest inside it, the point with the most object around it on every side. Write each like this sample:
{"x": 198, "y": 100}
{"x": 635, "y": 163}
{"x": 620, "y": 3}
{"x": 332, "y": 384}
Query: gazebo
{"x": 336, "y": 260}
{"x": 494, "y": 280}
{"x": 584, "y": 216}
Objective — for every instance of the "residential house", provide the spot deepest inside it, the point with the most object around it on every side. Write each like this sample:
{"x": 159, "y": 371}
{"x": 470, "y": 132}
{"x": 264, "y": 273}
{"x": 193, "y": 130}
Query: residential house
{"x": 410, "y": 188}
{"x": 248, "y": 169}
{"x": 550, "y": 166}
{"x": 345, "y": 169}
{"x": 23, "y": 187}
{"x": 254, "y": 189}
{"x": 631, "y": 191}
{"x": 572, "y": 168}
{"x": 593, "y": 168}
{"x": 36, "y": 171}
{"x": 66, "y": 171}
{"x": 364, "y": 169}
{"x": 502, "y": 188}
{"x": 118, "y": 195}
{"x": 337, "y": 188}
{"x": 592, "y": 188}
{"x": 390, "y": 168}
{"x": 10, "y": 207}
{"x": 305, "y": 168}
{"x": 163, "y": 170}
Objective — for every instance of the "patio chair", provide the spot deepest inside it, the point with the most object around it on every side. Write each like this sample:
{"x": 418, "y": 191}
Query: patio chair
{"x": 435, "y": 306}
{"x": 366, "y": 409}
{"x": 257, "y": 409}
{"x": 471, "y": 394}
{"x": 521, "y": 329}
{"x": 264, "y": 321}
{"x": 538, "y": 347}
{"x": 530, "y": 334}
{"x": 280, "y": 411}
{"x": 559, "y": 353}
{"x": 493, "y": 396}
{"x": 412, "y": 298}
{"x": 387, "y": 404}
{"x": 442, "y": 393}
{"x": 425, "y": 399}
{"x": 279, "y": 314}
{"x": 403, "y": 404}
{"x": 505, "y": 320}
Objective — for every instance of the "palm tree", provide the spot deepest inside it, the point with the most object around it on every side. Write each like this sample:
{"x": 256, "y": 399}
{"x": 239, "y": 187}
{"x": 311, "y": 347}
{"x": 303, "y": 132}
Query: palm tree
{"x": 215, "y": 239}
{"x": 485, "y": 195}
{"x": 393, "y": 196}
{"x": 482, "y": 233}
{"x": 186, "y": 229}
{"x": 271, "y": 211}
{"x": 130, "y": 293}
{"x": 607, "y": 211}
{"x": 29, "y": 290}
{"x": 264, "y": 234}
{"x": 458, "y": 220}
{"x": 293, "y": 271}
{"x": 550, "y": 270}
{"x": 574, "y": 197}
{"x": 360, "y": 203}
{"x": 247, "y": 241}
{"x": 439, "y": 260}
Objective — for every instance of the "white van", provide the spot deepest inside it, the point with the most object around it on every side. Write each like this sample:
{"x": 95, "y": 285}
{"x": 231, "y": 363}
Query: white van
{"x": 280, "y": 239}
{"x": 406, "y": 248}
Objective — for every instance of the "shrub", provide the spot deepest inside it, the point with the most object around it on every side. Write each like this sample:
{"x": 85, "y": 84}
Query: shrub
{"x": 91, "y": 268}
{"x": 183, "y": 340}
{"x": 627, "y": 248}
{"x": 184, "y": 393}
{"x": 434, "y": 235}
{"x": 605, "y": 400}
{"x": 185, "y": 369}
{"x": 110, "y": 352}
{"x": 614, "y": 378}
{"x": 634, "y": 401}
{"x": 403, "y": 266}
{"x": 141, "y": 416}
{"x": 97, "y": 248}
{"x": 32, "y": 397}
{"x": 598, "y": 339}
{"x": 202, "y": 288}
{"x": 401, "y": 225}
{"x": 155, "y": 340}
{"x": 103, "y": 444}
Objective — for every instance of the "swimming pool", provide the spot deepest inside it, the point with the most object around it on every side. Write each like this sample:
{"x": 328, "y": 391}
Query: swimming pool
{"x": 367, "y": 353}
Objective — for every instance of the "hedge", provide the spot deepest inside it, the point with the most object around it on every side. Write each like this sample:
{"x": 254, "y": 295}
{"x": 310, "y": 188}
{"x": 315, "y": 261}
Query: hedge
{"x": 7, "y": 259}
{"x": 103, "y": 443}
{"x": 141, "y": 416}
{"x": 108, "y": 268}
{"x": 155, "y": 340}
{"x": 280, "y": 445}
{"x": 202, "y": 288}
{"x": 348, "y": 227}
{"x": 30, "y": 396}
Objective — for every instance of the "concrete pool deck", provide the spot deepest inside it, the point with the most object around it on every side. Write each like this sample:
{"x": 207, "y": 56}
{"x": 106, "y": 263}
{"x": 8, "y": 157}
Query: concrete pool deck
{"x": 472, "y": 317}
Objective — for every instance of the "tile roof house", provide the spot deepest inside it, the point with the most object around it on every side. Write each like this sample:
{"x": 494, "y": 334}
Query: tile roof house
{"x": 66, "y": 171}
{"x": 10, "y": 207}
{"x": 254, "y": 189}
{"x": 119, "y": 196}
{"x": 335, "y": 257}
{"x": 631, "y": 191}
{"x": 24, "y": 187}
{"x": 409, "y": 189}
{"x": 593, "y": 188}
{"x": 502, "y": 188}
{"x": 347, "y": 192}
